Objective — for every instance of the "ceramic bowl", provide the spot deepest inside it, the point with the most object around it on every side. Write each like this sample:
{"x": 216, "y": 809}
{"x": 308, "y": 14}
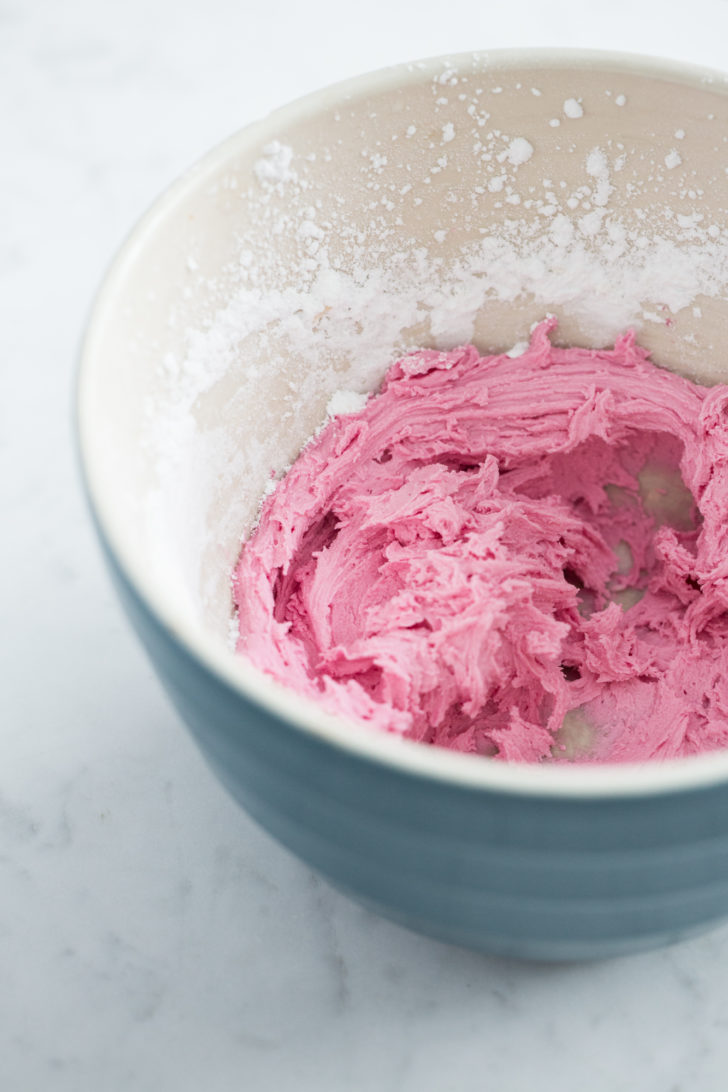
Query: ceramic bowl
{"x": 458, "y": 199}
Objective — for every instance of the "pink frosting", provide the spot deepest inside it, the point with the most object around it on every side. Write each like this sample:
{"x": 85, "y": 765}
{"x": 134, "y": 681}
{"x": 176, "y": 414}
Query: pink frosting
{"x": 525, "y": 558}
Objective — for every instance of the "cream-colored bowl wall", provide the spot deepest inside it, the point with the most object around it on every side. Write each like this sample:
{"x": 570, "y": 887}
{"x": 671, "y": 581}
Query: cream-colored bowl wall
{"x": 429, "y": 205}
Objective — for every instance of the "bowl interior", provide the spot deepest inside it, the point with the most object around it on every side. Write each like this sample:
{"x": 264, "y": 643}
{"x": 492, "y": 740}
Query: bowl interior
{"x": 434, "y": 204}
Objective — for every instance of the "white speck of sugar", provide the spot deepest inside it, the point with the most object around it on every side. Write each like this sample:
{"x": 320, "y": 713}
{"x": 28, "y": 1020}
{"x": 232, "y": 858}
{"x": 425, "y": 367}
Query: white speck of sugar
{"x": 679, "y": 134}
{"x": 620, "y": 100}
{"x": 274, "y": 165}
{"x": 518, "y": 349}
{"x": 598, "y": 168}
{"x": 355, "y": 292}
{"x": 448, "y": 132}
{"x": 519, "y": 151}
{"x": 573, "y": 108}
{"x": 673, "y": 159}
{"x": 344, "y": 402}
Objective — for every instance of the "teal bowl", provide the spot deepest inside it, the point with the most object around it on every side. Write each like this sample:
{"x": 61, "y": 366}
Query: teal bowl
{"x": 420, "y": 205}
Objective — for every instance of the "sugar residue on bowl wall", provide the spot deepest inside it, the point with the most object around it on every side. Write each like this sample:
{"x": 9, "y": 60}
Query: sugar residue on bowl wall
{"x": 434, "y": 226}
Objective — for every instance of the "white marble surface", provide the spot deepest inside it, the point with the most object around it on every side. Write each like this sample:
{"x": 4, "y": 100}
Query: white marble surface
{"x": 151, "y": 937}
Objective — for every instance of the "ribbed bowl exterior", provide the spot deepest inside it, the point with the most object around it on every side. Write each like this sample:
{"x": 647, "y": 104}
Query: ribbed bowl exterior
{"x": 535, "y": 877}
{"x": 507, "y": 865}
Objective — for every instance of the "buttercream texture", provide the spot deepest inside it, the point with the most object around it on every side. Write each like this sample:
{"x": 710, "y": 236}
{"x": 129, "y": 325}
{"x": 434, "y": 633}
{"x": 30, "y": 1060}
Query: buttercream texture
{"x": 523, "y": 557}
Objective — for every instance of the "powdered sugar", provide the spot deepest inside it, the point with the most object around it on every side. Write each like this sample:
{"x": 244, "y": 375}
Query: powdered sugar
{"x": 573, "y": 108}
{"x": 606, "y": 273}
{"x": 274, "y": 166}
{"x": 343, "y": 402}
{"x": 597, "y": 166}
{"x": 519, "y": 151}
{"x": 326, "y": 291}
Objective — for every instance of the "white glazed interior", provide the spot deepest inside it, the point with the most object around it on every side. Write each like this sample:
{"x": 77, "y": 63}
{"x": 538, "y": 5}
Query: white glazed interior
{"x": 182, "y": 420}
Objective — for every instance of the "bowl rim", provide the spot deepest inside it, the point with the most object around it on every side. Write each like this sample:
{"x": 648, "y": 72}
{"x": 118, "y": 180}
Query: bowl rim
{"x": 577, "y": 780}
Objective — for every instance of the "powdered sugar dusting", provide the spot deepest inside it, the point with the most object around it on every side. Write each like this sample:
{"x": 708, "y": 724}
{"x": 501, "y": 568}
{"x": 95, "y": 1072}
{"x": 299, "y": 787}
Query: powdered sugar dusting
{"x": 344, "y": 402}
{"x": 598, "y": 167}
{"x": 573, "y": 108}
{"x": 274, "y": 166}
{"x": 519, "y": 151}
{"x": 456, "y": 217}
